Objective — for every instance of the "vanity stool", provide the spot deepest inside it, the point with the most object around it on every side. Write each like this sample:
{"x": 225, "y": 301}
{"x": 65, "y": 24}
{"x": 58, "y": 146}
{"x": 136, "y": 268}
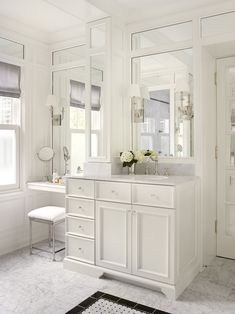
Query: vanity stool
{"x": 51, "y": 215}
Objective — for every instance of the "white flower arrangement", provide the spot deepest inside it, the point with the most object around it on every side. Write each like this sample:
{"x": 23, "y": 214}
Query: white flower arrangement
{"x": 139, "y": 156}
{"x": 150, "y": 153}
{"x": 128, "y": 158}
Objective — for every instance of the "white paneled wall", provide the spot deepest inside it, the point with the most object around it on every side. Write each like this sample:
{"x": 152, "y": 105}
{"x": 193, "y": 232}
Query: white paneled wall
{"x": 14, "y": 231}
{"x": 35, "y": 133}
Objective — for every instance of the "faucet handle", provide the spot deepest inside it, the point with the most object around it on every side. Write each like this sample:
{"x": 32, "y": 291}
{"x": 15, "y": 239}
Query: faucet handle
{"x": 166, "y": 172}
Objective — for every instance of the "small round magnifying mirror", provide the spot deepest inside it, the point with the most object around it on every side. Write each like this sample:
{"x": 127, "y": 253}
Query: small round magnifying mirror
{"x": 46, "y": 153}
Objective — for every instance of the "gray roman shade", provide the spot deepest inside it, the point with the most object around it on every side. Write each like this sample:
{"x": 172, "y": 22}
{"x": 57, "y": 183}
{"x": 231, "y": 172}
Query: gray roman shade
{"x": 10, "y": 80}
{"x": 95, "y": 97}
{"x": 77, "y": 95}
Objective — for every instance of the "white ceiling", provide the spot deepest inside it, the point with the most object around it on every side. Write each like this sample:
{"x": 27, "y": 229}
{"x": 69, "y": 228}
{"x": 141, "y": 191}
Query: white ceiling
{"x": 50, "y": 15}
{"x": 58, "y": 15}
{"x": 136, "y": 10}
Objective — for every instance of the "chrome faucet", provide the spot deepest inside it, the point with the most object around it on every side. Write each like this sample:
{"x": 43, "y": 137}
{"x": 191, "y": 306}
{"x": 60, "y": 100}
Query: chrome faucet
{"x": 147, "y": 167}
{"x": 155, "y": 159}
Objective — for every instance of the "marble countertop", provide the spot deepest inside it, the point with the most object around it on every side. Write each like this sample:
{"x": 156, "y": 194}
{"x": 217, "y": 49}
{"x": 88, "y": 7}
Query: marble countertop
{"x": 149, "y": 179}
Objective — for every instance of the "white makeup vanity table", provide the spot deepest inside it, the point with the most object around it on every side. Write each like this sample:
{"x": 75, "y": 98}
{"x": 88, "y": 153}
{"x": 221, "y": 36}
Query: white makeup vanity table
{"x": 46, "y": 187}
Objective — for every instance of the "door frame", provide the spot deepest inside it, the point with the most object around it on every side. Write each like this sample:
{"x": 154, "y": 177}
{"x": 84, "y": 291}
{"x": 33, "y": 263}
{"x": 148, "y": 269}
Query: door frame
{"x": 223, "y": 161}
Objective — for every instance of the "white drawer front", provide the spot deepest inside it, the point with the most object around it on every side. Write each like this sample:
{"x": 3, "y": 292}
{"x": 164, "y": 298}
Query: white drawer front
{"x": 80, "y": 227}
{"x": 153, "y": 195}
{"x": 81, "y": 249}
{"x": 113, "y": 191}
{"x": 80, "y": 187}
{"x": 80, "y": 207}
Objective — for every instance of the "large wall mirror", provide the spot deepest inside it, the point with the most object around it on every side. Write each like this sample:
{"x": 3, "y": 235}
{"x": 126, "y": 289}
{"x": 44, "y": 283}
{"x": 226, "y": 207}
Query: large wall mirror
{"x": 69, "y": 130}
{"x": 97, "y": 62}
{"x": 162, "y": 111}
{"x": 69, "y": 89}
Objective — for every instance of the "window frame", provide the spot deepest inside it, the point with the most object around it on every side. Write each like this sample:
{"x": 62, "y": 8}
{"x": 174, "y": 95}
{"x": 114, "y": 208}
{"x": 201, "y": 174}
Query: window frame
{"x": 16, "y": 185}
{"x": 21, "y": 128}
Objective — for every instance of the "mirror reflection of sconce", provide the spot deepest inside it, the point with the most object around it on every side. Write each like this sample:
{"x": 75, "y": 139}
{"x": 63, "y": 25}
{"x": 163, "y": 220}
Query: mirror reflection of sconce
{"x": 52, "y": 103}
{"x": 138, "y": 94}
{"x": 183, "y": 98}
{"x": 185, "y": 106}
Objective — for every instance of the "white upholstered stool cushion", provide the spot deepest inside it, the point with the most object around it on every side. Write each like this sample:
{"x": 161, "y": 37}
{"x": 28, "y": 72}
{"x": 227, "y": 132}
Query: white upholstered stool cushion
{"x": 49, "y": 213}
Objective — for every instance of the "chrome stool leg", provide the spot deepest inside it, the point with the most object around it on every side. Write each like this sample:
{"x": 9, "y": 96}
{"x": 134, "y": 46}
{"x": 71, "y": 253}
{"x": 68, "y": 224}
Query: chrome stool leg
{"x": 30, "y": 237}
{"x": 49, "y": 237}
{"x": 53, "y": 241}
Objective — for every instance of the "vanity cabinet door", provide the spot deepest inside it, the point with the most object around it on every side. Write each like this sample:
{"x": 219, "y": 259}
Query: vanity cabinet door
{"x": 153, "y": 243}
{"x": 113, "y": 235}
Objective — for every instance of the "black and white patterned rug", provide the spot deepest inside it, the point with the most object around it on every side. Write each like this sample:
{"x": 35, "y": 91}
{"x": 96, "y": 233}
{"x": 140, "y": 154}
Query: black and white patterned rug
{"x": 104, "y": 303}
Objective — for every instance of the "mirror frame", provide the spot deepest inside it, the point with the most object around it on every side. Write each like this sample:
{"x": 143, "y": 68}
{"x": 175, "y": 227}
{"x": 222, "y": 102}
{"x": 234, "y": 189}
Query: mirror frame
{"x": 138, "y": 53}
{"x": 44, "y": 148}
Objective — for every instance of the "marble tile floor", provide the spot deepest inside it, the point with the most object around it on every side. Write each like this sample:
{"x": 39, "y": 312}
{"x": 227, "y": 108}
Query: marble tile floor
{"x": 33, "y": 284}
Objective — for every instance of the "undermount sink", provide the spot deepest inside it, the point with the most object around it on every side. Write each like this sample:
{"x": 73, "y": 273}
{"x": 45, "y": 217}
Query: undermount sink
{"x": 150, "y": 177}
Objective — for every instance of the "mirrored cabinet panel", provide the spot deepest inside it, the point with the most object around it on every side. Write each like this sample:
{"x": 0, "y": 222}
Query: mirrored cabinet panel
{"x": 162, "y": 36}
{"x": 218, "y": 24}
{"x": 68, "y": 55}
{"x": 69, "y": 119}
{"x": 164, "y": 90}
{"x": 97, "y": 104}
{"x": 11, "y": 48}
{"x": 98, "y": 35}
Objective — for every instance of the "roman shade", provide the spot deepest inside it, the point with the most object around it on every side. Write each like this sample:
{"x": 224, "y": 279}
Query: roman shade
{"x": 77, "y": 95}
{"x": 10, "y": 80}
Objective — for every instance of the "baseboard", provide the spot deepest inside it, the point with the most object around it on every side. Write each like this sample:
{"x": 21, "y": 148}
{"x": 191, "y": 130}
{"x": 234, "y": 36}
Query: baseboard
{"x": 20, "y": 246}
{"x": 97, "y": 271}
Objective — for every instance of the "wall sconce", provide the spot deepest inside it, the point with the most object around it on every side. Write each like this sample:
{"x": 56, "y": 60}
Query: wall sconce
{"x": 138, "y": 95}
{"x": 52, "y": 103}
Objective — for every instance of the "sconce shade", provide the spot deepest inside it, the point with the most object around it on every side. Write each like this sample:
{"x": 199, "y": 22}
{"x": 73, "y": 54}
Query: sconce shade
{"x": 134, "y": 90}
{"x": 51, "y": 101}
{"x": 144, "y": 92}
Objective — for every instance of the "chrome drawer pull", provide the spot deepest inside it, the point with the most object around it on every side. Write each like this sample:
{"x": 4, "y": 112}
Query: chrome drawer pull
{"x": 80, "y": 227}
{"x": 80, "y": 250}
{"x": 114, "y": 192}
{"x": 79, "y": 188}
{"x": 154, "y": 195}
{"x": 80, "y": 207}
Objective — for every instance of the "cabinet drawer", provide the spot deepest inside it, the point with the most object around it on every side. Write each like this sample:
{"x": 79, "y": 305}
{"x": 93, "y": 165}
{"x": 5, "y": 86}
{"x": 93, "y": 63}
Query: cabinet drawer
{"x": 80, "y": 187}
{"x": 80, "y": 207}
{"x": 81, "y": 249}
{"x": 80, "y": 227}
{"x": 113, "y": 191}
{"x": 153, "y": 195}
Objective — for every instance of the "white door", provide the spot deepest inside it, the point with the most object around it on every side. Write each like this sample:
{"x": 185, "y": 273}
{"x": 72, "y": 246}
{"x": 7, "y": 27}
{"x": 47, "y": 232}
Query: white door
{"x": 153, "y": 243}
{"x": 113, "y": 235}
{"x": 226, "y": 157}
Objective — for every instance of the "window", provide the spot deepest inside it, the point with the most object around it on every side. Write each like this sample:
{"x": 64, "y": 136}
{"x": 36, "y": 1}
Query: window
{"x": 9, "y": 125}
